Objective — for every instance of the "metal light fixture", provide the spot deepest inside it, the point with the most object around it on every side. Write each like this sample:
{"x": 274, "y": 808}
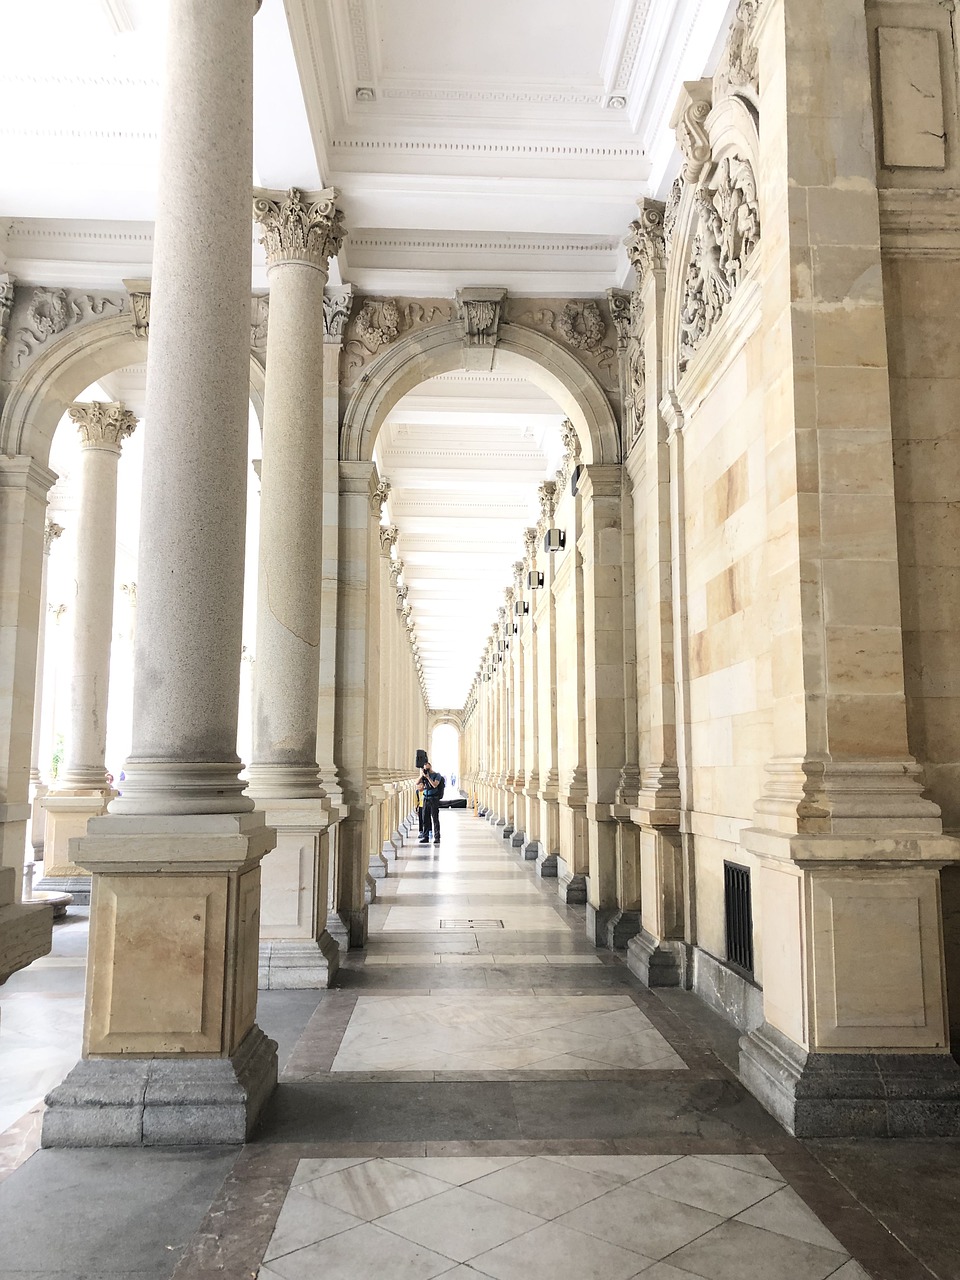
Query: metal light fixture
{"x": 521, "y": 608}
{"x": 534, "y": 580}
{"x": 554, "y": 540}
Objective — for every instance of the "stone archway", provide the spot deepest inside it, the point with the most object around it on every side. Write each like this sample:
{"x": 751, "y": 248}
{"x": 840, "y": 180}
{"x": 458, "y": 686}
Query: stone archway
{"x": 519, "y": 350}
{"x": 53, "y": 381}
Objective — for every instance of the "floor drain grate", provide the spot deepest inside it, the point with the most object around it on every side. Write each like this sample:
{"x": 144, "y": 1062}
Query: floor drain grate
{"x": 471, "y": 924}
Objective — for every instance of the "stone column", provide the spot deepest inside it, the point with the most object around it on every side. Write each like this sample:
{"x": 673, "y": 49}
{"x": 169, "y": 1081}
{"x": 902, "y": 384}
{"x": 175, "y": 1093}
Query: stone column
{"x": 38, "y": 787}
{"x": 531, "y": 745}
{"x": 172, "y": 1054}
{"x": 25, "y": 930}
{"x": 81, "y": 789}
{"x": 518, "y": 711}
{"x": 546, "y": 623}
{"x": 568, "y": 590}
{"x": 658, "y": 954}
{"x": 359, "y": 502}
{"x": 337, "y": 304}
{"x": 600, "y": 490}
{"x": 301, "y": 232}
{"x": 849, "y": 850}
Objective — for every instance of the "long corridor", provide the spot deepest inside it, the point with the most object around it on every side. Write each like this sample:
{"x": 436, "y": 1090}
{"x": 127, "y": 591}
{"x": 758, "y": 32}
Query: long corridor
{"x": 484, "y": 1094}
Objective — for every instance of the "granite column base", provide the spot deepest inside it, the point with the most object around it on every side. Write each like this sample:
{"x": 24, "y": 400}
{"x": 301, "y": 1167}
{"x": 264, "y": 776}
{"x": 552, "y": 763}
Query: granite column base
{"x": 851, "y": 1095}
{"x": 655, "y": 962}
{"x": 172, "y": 1102}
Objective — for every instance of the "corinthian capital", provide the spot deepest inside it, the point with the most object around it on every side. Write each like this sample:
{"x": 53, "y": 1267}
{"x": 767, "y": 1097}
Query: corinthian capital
{"x": 298, "y": 226}
{"x": 103, "y": 425}
{"x": 645, "y": 245}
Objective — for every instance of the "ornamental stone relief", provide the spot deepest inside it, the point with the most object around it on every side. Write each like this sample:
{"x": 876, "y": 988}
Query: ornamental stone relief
{"x": 479, "y": 311}
{"x": 670, "y": 211}
{"x": 259, "y": 320}
{"x": 580, "y": 324}
{"x": 51, "y": 311}
{"x": 647, "y": 251}
{"x": 728, "y": 232}
{"x": 739, "y": 67}
{"x": 6, "y": 305}
{"x": 103, "y": 424}
{"x": 379, "y": 322}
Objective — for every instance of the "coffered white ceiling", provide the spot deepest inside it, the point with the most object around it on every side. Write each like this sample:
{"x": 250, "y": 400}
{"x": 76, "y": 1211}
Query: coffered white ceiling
{"x": 500, "y": 143}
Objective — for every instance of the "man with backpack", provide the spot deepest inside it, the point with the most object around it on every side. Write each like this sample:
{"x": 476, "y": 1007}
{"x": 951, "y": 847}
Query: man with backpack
{"x": 431, "y": 787}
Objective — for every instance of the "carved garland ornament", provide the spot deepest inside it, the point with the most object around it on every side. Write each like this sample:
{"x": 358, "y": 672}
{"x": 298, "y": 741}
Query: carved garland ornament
{"x": 378, "y": 323}
{"x": 728, "y": 232}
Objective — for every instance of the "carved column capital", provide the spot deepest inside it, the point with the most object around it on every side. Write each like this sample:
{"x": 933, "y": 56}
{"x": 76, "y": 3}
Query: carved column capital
{"x": 547, "y": 493}
{"x": 337, "y": 305}
{"x": 103, "y": 425}
{"x": 51, "y": 532}
{"x": 530, "y": 542}
{"x": 388, "y": 537}
{"x": 689, "y": 120}
{"x": 298, "y": 226}
{"x": 396, "y": 569}
{"x": 379, "y": 497}
{"x": 619, "y": 302}
{"x": 645, "y": 244}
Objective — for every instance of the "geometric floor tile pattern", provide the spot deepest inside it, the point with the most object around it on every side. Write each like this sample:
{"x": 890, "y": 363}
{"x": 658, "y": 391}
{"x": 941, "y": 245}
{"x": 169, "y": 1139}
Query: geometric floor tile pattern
{"x": 443, "y": 1031}
{"x": 552, "y": 1217}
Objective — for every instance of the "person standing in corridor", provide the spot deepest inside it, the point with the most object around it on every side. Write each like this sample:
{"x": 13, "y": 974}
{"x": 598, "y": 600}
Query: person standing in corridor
{"x": 432, "y": 789}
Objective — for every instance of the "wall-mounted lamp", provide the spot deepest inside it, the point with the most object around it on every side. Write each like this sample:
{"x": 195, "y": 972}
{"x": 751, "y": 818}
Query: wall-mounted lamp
{"x": 520, "y": 608}
{"x": 554, "y": 540}
{"x": 534, "y": 580}
{"x": 575, "y": 478}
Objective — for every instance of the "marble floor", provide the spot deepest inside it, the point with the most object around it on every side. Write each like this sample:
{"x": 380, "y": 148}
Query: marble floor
{"x": 482, "y": 1094}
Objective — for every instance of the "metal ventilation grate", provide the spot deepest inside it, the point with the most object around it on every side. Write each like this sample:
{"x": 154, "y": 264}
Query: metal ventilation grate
{"x": 471, "y": 924}
{"x": 739, "y": 916}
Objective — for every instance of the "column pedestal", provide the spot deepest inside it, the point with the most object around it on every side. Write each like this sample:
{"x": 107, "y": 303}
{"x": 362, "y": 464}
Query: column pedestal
{"x": 657, "y": 963}
{"x": 172, "y": 1054}
{"x": 67, "y": 815}
{"x": 571, "y": 885}
{"x": 296, "y": 949}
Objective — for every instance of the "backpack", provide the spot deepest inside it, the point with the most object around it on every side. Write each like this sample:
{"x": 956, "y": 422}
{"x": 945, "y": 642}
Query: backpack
{"x": 438, "y": 793}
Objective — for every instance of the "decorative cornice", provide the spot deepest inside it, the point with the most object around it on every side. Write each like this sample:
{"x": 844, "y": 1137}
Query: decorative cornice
{"x": 645, "y": 244}
{"x": 298, "y": 226}
{"x": 103, "y": 425}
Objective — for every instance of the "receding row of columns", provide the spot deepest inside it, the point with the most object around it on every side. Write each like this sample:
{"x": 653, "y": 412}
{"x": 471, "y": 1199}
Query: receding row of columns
{"x": 180, "y": 931}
